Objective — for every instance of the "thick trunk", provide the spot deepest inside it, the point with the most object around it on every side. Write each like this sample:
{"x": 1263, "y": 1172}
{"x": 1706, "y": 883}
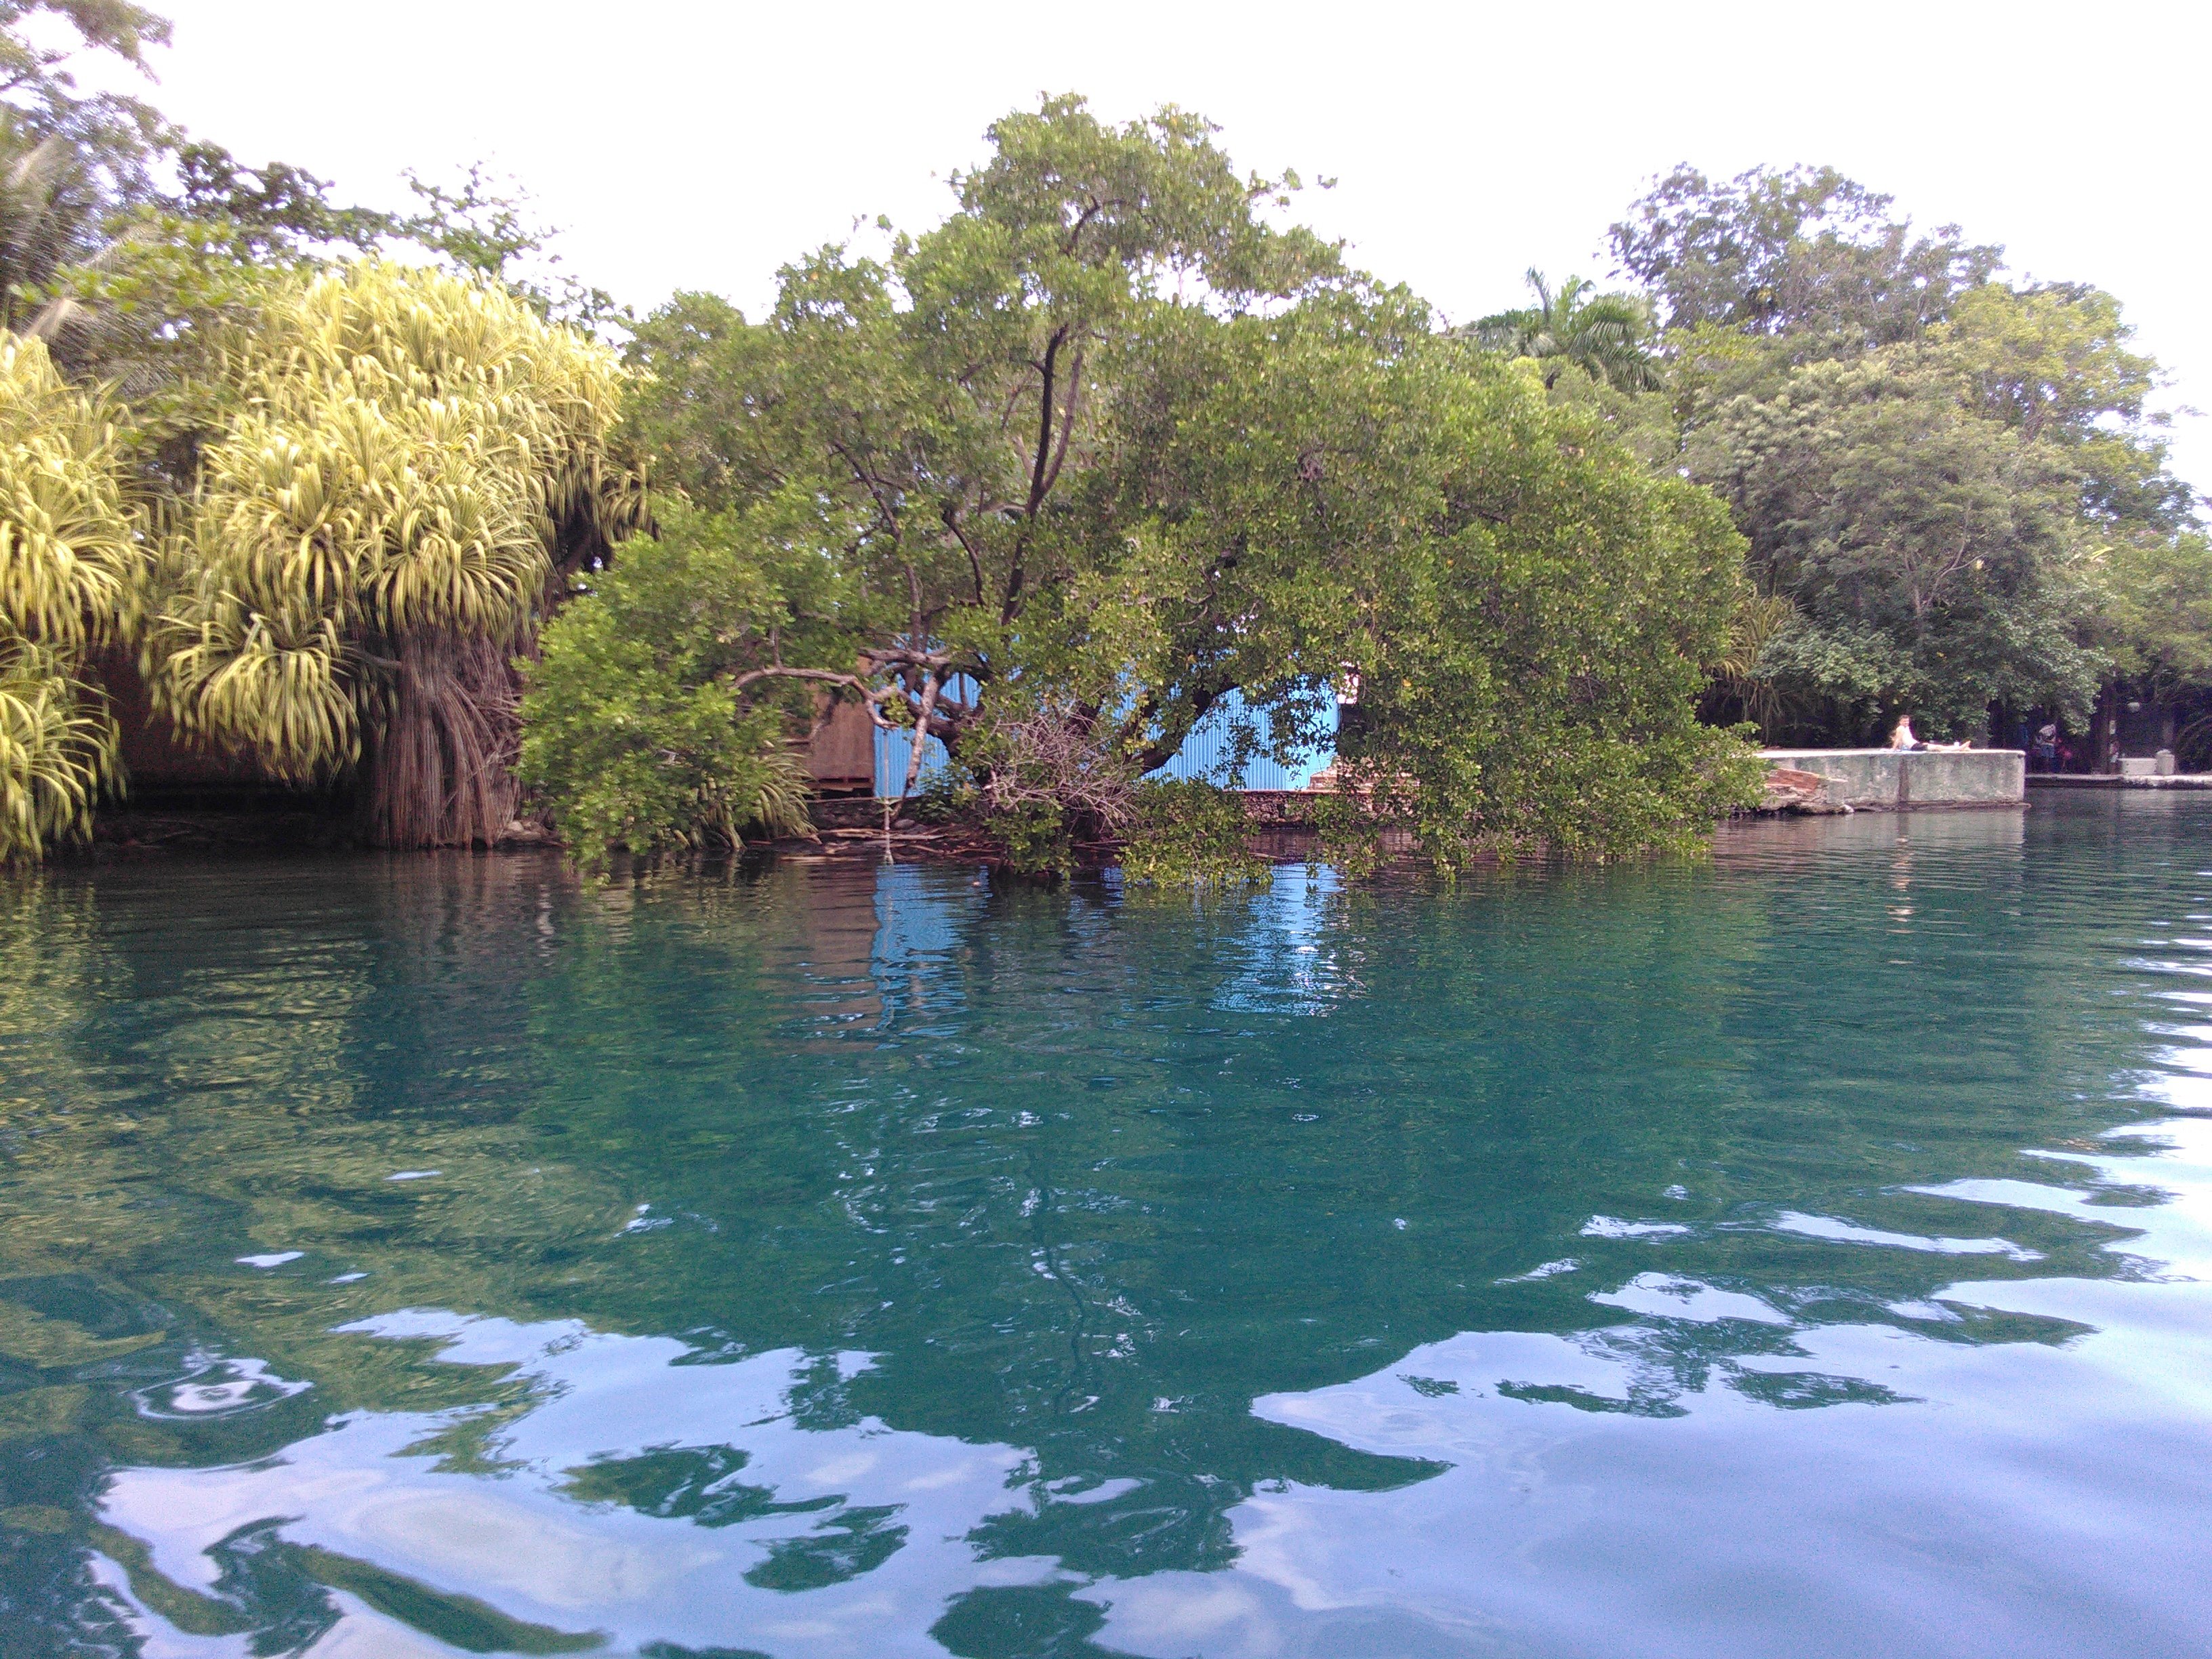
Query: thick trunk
{"x": 439, "y": 770}
{"x": 2107, "y": 729}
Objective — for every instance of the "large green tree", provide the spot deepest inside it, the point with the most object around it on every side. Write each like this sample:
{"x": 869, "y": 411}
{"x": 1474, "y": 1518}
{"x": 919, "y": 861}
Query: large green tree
{"x": 1949, "y": 484}
{"x": 1106, "y": 445}
{"x": 1931, "y": 551}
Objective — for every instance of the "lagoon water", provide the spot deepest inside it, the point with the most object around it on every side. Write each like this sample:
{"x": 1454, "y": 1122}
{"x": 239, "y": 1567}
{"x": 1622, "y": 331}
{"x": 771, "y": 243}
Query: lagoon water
{"x": 1805, "y": 1253}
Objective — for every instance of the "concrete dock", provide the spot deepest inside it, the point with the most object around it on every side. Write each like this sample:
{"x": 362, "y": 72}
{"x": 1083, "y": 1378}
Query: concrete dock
{"x": 2114, "y": 780}
{"x": 1899, "y": 779}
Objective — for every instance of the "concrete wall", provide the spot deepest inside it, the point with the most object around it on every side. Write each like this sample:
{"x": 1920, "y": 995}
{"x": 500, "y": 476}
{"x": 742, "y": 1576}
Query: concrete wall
{"x": 1898, "y": 779}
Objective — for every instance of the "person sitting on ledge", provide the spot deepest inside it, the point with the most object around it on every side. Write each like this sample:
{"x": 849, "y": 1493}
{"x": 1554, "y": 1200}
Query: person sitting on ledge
{"x": 1902, "y": 738}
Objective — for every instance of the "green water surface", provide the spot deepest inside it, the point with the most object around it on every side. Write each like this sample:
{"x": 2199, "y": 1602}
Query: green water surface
{"x": 1804, "y": 1253}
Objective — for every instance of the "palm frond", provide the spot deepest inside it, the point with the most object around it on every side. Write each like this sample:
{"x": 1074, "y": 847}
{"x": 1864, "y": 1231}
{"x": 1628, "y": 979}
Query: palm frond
{"x": 58, "y": 747}
{"x": 413, "y": 448}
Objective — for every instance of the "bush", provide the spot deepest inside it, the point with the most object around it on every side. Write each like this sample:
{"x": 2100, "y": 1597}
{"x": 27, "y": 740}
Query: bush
{"x": 633, "y": 734}
{"x": 1189, "y": 833}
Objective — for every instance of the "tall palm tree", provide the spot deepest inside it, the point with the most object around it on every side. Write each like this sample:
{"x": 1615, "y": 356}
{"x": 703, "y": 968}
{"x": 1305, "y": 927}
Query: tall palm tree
{"x": 1604, "y": 335}
{"x": 415, "y": 462}
{"x": 49, "y": 216}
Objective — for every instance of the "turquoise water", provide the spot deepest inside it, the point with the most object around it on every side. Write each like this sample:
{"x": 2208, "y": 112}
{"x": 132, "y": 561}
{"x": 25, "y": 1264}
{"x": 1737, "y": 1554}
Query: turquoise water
{"x": 1805, "y": 1254}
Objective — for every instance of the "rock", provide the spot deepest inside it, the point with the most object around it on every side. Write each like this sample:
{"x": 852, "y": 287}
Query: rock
{"x": 1789, "y": 790}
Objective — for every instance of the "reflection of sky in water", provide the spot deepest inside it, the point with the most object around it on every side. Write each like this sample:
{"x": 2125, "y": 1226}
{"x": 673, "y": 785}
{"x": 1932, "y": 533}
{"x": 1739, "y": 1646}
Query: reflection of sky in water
{"x": 821, "y": 1542}
{"x": 1289, "y": 959}
{"x": 1587, "y": 1512}
{"x": 1703, "y": 1382}
{"x": 1642, "y": 1488}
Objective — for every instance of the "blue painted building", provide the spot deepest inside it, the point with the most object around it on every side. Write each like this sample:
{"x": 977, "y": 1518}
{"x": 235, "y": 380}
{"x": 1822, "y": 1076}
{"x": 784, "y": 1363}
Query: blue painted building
{"x": 1202, "y": 753}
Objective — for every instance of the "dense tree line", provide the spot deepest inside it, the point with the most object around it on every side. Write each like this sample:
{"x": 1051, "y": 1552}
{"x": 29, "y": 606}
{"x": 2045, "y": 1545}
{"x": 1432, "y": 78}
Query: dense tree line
{"x": 1954, "y": 488}
{"x": 359, "y": 494}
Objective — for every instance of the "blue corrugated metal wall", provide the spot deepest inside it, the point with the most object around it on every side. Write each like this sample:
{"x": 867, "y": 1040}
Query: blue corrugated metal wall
{"x": 1202, "y": 752}
{"x": 893, "y": 748}
{"x": 1208, "y": 745}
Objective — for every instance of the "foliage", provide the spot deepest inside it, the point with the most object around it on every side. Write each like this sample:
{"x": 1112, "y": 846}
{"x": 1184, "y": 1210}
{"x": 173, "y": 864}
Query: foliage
{"x": 278, "y": 211}
{"x": 57, "y": 749}
{"x": 1106, "y": 442}
{"x": 71, "y": 560}
{"x": 1928, "y": 546}
{"x": 2157, "y": 611}
{"x": 633, "y": 732}
{"x": 70, "y": 555}
{"x": 377, "y": 530}
{"x": 1942, "y": 512}
{"x": 132, "y": 249}
{"x": 1046, "y": 774}
{"x": 1800, "y": 253}
{"x": 1528, "y": 622}
{"x": 1744, "y": 673}
{"x": 1947, "y": 479}
{"x": 1606, "y": 335}
{"x": 481, "y": 225}
{"x": 115, "y": 136}
{"x": 1187, "y": 833}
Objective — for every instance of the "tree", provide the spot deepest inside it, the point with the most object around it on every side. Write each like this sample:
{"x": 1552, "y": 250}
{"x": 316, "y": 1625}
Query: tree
{"x": 116, "y": 136}
{"x": 1930, "y": 550}
{"x": 942, "y": 406}
{"x": 2053, "y": 363}
{"x": 1942, "y": 476}
{"x": 1799, "y": 253}
{"x": 413, "y": 462}
{"x": 67, "y": 160}
{"x": 1105, "y": 443}
{"x": 1952, "y": 516}
{"x": 123, "y": 245}
{"x": 636, "y": 725}
{"x": 71, "y": 564}
{"x": 1604, "y": 335}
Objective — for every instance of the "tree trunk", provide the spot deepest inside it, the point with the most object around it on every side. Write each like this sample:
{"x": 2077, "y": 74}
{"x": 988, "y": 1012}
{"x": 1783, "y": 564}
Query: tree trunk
{"x": 2107, "y": 726}
{"x": 439, "y": 770}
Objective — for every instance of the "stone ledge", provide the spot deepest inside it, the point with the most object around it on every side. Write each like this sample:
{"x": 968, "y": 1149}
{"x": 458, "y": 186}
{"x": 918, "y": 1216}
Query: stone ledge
{"x": 2111, "y": 781}
{"x": 1898, "y": 779}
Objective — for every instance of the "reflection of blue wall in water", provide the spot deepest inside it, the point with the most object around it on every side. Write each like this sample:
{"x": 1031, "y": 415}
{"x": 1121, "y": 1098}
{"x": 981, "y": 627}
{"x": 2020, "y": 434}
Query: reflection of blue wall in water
{"x": 1202, "y": 752}
{"x": 918, "y": 923}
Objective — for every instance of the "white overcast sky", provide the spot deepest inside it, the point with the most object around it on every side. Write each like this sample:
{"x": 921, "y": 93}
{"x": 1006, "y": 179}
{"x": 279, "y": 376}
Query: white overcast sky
{"x": 687, "y": 144}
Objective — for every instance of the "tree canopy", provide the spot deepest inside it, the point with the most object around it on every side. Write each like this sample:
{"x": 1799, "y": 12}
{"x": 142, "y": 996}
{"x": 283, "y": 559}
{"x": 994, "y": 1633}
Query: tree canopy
{"x": 1947, "y": 481}
{"x": 1801, "y": 252}
{"x": 1107, "y": 445}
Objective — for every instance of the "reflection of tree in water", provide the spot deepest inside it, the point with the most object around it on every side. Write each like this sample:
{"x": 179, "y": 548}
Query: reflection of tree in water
{"x": 1085, "y": 1174}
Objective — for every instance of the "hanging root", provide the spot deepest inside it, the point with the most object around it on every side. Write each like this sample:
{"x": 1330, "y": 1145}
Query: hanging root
{"x": 441, "y": 766}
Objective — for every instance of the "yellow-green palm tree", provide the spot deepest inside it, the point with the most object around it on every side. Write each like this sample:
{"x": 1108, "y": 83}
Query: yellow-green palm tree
{"x": 1606, "y": 335}
{"x": 415, "y": 458}
{"x": 72, "y": 562}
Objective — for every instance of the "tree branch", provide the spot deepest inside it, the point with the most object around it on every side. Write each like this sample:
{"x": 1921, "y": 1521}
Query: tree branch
{"x": 951, "y": 514}
{"x": 930, "y": 688}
